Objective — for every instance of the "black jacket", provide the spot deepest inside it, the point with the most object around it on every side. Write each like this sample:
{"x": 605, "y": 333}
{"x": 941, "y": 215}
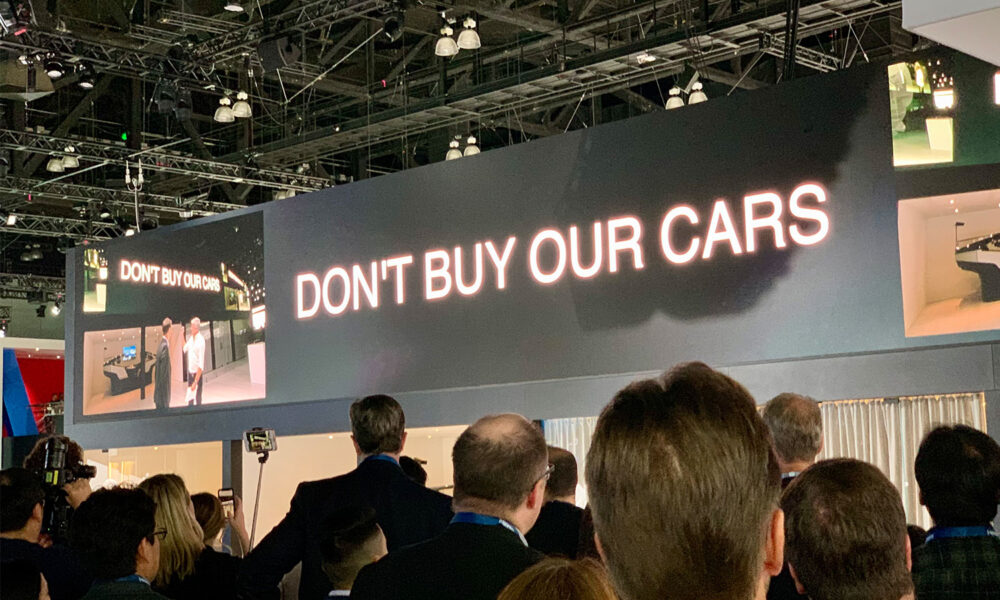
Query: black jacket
{"x": 161, "y": 377}
{"x": 407, "y": 512}
{"x": 65, "y": 574}
{"x": 466, "y": 562}
{"x": 557, "y": 530}
{"x": 782, "y": 585}
{"x": 214, "y": 578}
{"x": 124, "y": 590}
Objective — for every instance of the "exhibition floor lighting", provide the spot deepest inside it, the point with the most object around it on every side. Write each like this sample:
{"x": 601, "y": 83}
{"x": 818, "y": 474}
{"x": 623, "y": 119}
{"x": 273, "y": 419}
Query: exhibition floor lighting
{"x": 241, "y": 108}
{"x": 55, "y": 165}
{"x": 472, "y": 148}
{"x": 453, "y": 151}
{"x": 233, "y": 6}
{"x": 54, "y": 68}
{"x": 675, "y": 100}
{"x": 697, "y": 95}
{"x": 468, "y": 39}
{"x": 224, "y": 114}
{"x": 446, "y": 45}
{"x": 56, "y": 308}
{"x": 11, "y": 220}
{"x": 70, "y": 161}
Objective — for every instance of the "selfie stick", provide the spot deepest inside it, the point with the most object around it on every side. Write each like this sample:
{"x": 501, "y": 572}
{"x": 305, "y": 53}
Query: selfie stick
{"x": 261, "y": 458}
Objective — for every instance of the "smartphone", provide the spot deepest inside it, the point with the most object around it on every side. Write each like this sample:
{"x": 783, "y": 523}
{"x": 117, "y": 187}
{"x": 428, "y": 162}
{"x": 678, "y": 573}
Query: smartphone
{"x": 228, "y": 503}
{"x": 260, "y": 440}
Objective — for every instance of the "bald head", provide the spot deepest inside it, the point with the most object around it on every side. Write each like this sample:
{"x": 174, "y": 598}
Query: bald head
{"x": 796, "y": 427}
{"x": 498, "y": 460}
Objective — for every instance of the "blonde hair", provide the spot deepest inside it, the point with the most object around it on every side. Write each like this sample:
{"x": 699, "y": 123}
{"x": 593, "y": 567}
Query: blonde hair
{"x": 559, "y": 578}
{"x": 183, "y": 543}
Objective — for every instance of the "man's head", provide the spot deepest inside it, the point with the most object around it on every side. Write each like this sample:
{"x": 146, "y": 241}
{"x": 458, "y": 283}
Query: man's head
{"x": 500, "y": 466}
{"x": 350, "y": 540}
{"x": 21, "y": 498}
{"x": 167, "y": 323}
{"x": 413, "y": 467}
{"x": 958, "y": 472}
{"x": 845, "y": 533}
{"x": 562, "y": 483}
{"x": 796, "y": 429}
{"x": 114, "y": 532}
{"x": 195, "y": 325}
{"x": 377, "y": 425}
{"x": 683, "y": 485}
{"x": 76, "y": 491}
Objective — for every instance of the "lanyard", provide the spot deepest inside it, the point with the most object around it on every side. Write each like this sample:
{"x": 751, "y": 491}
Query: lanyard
{"x": 478, "y": 519}
{"x": 382, "y": 457}
{"x": 790, "y": 474}
{"x": 960, "y": 532}
{"x": 132, "y": 578}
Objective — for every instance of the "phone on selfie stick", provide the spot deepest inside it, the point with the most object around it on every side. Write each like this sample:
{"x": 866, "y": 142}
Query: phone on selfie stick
{"x": 262, "y": 442}
{"x": 226, "y": 497}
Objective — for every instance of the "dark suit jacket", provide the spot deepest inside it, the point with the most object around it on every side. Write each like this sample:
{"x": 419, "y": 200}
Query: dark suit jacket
{"x": 557, "y": 530}
{"x": 966, "y": 568}
{"x": 214, "y": 578}
{"x": 782, "y": 585}
{"x": 132, "y": 590}
{"x": 161, "y": 389}
{"x": 466, "y": 562}
{"x": 65, "y": 574}
{"x": 407, "y": 512}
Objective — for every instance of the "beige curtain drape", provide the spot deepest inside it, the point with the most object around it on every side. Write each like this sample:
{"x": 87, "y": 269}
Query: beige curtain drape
{"x": 887, "y": 434}
{"x": 573, "y": 434}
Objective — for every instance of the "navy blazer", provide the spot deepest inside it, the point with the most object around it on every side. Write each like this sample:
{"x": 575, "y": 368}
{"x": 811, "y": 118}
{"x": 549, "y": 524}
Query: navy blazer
{"x": 407, "y": 512}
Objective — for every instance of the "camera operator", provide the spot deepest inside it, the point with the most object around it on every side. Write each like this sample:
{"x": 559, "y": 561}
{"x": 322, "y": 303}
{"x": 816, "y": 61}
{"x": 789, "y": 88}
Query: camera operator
{"x": 21, "y": 516}
{"x": 58, "y": 463}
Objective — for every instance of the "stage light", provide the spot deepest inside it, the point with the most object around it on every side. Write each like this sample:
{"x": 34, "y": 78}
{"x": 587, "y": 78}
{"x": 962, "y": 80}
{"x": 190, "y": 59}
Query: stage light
{"x": 70, "y": 161}
{"x": 11, "y": 219}
{"x": 56, "y": 309}
{"x": 224, "y": 114}
{"x": 675, "y": 100}
{"x": 446, "y": 46}
{"x": 36, "y": 254}
{"x": 129, "y": 232}
{"x": 104, "y": 212}
{"x": 468, "y": 39}
{"x": 86, "y": 77}
{"x": 645, "y": 58}
{"x": 55, "y": 165}
{"x": 472, "y": 148}
{"x": 453, "y": 151}
{"x": 54, "y": 68}
{"x": 40, "y": 311}
{"x": 392, "y": 24}
{"x": 241, "y": 109}
{"x": 233, "y": 6}
{"x": 697, "y": 95}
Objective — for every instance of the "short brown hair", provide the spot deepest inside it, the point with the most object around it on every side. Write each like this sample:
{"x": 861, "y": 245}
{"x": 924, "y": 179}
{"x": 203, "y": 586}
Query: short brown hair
{"x": 208, "y": 512}
{"x": 377, "y": 423}
{"x": 845, "y": 532}
{"x": 564, "y": 478}
{"x": 167, "y": 323}
{"x": 796, "y": 426}
{"x": 498, "y": 459}
{"x": 682, "y": 484}
{"x": 35, "y": 461}
{"x": 559, "y": 578}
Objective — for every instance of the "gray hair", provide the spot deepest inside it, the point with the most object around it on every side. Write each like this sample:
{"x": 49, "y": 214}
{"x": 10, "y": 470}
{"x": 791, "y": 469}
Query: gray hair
{"x": 196, "y": 322}
{"x": 796, "y": 426}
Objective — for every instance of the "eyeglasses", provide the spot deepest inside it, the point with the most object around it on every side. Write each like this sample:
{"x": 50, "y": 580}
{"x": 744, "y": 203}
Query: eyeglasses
{"x": 548, "y": 473}
{"x": 159, "y": 533}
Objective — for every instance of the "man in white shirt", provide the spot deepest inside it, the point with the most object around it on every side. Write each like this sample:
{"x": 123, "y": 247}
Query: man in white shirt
{"x": 194, "y": 347}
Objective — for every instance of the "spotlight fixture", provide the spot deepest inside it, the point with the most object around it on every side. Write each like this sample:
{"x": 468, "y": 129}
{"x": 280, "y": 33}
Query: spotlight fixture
{"x": 10, "y": 219}
{"x": 469, "y": 38}
{"x": 40, "y": 311}
{"x": 36, "y": 254}
{"x": 224, "y": 114}
{"x": 85, "y": 80}
{"x": 233, "y": 6}
{"x": 70, "y": 161}
{"x": 472, "y": 148}
{"x": 103, "y": 212}
{"x": 675, "y": 100}
{"x": 55, "y": 165}
{"x": 129, "y": 232}
{"x": 697, "y": 95}
{"x": 54, "y": 68}
{"x": 446, "y": 45}
{"x": 392, "y": 24}
{"x": 56, "y": 308}
{"x": 453, "y": 151}
{"x": 241, "y": 108}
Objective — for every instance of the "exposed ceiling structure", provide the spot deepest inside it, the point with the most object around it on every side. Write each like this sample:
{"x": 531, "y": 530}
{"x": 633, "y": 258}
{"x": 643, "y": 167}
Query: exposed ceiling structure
{"x": 340, "y": 90}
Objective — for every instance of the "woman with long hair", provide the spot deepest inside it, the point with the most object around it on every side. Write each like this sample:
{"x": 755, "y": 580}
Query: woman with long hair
{"x": 560, "y": 579}
{"x": 188, "y": 568}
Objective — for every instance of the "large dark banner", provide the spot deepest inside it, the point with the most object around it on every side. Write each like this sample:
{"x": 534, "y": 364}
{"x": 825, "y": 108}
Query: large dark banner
{"x": 744, "y": 229}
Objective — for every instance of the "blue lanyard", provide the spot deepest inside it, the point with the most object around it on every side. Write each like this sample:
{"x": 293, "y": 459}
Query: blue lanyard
{"x": 960, "y": 532}
{"x": 478, "y": 519}
{"x": 132, "y": 578}
{"x": 382, "y": 457}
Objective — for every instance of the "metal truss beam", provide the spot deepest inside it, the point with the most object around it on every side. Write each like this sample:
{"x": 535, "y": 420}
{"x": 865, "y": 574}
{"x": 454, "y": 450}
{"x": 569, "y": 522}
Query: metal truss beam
{"x": 23, "y": 282}
{"x": 107, "y": 152}
{"x": 60, "y": 227}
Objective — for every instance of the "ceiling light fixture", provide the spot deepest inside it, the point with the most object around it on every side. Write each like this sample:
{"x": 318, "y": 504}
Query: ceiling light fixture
{"x": 85, "y": 80}
{"x": 468, "y": 39}
{"x": 697, "y": 95}
{"x": 11, "y": 219}
{"x": 392, "y": 24}
{"x": 104, "y": 212}
{"x": 55, "y": 165}
{"x": 472, "y": 148}
{"x": 129, "y": 232}
{"x": 241, "y": 108}
{"x": 675, "y": 100}
{"x": 224, "y": 114}
{"x": 446, "y": 45}
{"x": 40, "y": 313}
{"x": 70, "y": 161}
{"x": 453, "y": 151}
{"x": 56, "y": 308}
{"x": 233, "y": 6}
{"x": 54, "y": 68}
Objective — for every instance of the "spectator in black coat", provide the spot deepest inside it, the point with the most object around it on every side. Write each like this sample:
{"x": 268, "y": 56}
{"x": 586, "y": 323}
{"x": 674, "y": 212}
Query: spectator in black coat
{"x": 406, "y": 511}
{"x": 500, "y": 476}
{"x": 557, "y": 531}
{"x": 189, "y": 570}
{"x": 21, "y": 580}
{"x": 21, "y": 512}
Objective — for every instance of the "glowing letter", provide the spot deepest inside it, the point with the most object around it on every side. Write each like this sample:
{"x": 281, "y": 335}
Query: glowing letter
{"x": 361, "y": 284}
{"x": 123, "y": 270}
{"x": 574, "y": 253}
{"x": 468, "y": 290}
{"x": 536, "y": 271}
{"x": 336, "y": 309}
{"x": 668, "y": 249}
{"x": 632, "y": 243}
{"x": 500, "y": 262}
{"x": 773, "y": 220}
{"x": 398, "y": 262}
{"x": 431, "y": 273}
{"x": 809, "y": 214}
{"x": 720, "y": 215}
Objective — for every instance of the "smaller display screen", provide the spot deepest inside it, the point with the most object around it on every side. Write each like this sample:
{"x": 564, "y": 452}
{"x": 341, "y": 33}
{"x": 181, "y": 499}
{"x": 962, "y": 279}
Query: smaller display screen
{"x": 128, "y": 353}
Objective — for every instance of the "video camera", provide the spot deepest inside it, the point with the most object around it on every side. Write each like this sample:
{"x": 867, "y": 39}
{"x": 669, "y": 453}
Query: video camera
{"x": 55, "y": 474}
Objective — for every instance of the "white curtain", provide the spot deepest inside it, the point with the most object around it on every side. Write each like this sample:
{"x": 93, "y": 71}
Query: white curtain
{"x": 887, "y": 434}
{"x": 572, "y": 434}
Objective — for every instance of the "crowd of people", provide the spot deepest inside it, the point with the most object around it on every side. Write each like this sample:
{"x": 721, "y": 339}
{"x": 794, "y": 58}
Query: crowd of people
{"x": 694, "y": 493}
